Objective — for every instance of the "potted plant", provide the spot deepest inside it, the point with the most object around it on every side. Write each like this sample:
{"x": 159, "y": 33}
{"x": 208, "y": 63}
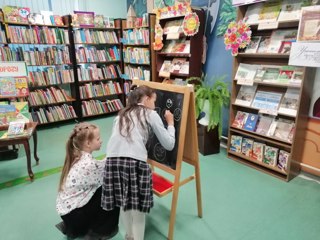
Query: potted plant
{"x": 209, "y": 101}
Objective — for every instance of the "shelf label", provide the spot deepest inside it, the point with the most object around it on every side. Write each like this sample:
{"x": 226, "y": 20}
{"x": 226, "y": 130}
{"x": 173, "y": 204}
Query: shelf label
{"x": 268, "y": 25}
{"x": 13, "y": 69}
{"x": 245, "y": 81}
{"x": 269, "y": 111}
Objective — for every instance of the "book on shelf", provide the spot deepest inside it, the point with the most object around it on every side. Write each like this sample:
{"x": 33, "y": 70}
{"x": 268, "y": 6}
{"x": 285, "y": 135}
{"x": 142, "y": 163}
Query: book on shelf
{"x": 35, "y": 18}
{"x": 283, "y": 129}
{"x": 270, "y": 156}
{"x": 264, "y": 44}
{"x": 285, "y": 74}
{"x": 173, "y": 29}
{"x": 283, "y": 160}
{"x": 246, "y": 95}
{"x": 16, "y": 14}
{"x": 259, "y": 73}
{"x": 99, "y": 21}
{"x": 258, "y": 151}
{"x": 251, "y": 122}
{"x": 270, "y": 11}
{"x": 177, "y": 46}
{"x": 176, "y": 64}
{"x": 253, "y": 45}
{"x": 235, "y": 144}
{"x": 56, "y": 20}
{"x": 290, "y": 11}
{"x": 272, "y": 127}
{"x": 240, "y": 119}
{"x": 264, "y": 124}
{"x": 165, "y": 69}
{"x": 246, "y": 147}
{"x": 185, "y": 68}
{"x": 271, "y": 74}
{"x": 278, "y": 36}
{"x": 309, "y": 24}
{"x": 7, "y": 113}
{"x": 22, "y": 113}
{"x": 285, "y": 47}
{"x": 267, "y": 100}
{"x": 252, "y": 13}
{"x": 245, "y": 73}
{"x": 47, "y": 17}
{"x": 16, "y": 128}
{"x": 297, "y": 76}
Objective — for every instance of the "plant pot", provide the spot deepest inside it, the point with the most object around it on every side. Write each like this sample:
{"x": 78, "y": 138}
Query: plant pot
{"x": 208, "y": 141}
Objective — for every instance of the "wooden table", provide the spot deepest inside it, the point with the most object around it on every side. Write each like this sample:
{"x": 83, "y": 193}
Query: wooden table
{"x": 31, "y": 129}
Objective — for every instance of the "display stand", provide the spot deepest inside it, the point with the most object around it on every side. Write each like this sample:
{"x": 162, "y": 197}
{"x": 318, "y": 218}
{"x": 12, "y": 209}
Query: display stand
{"x": 186, "y": 146}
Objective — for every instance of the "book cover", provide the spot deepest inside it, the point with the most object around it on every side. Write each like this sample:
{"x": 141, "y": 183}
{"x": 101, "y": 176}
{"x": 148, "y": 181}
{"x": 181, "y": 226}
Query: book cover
{"x": 289, "y": 11}
{"x": 246, "y": 95}
{"x": 16, "y": 128}
{"x": 240, "y": 119}
{"x": 246, "y": 72}
{"x": 57, "y": 20}
{"x": 251, "y": 122}
{"x": 309, "y": 24}
{"x": 176, "y": 64}
{"x": 270, "y": 155}
{"x": 283, "y": 160}
{"x": 278, "y": 36}
{"x": 283, "y": 129}
{"x": 257, "y": 151}
{"x": 253, "y": 45}
{"x": 267, "y": 100}
{"x": 35, "y": 18}
{"x": 16, "y": 14}
{"x": 22, "y": 113}
{"x": 270, "y": 11}
{"x": 7, "y": 87}
{"x": 252, "y": 13}
{"x": 289, "y": 103}
{"x": 47, "y": 17}
{"x": 99, "y": 21}
{"x": 297, "y": 76}
{"x": 259, "y": 74}
{"x": 7, "y": 114}
{"x": 184, "y": 68}
{"x": 271, "y": 74}
{"x": 246, "y": 147}
{"x": 285, "y": 47}
{"x": 174, "y": 26}
{"x": 21, "y": 85}
{"x": 264, "y": 124}
{"x": 165, "y": 69}
{"x": 285, "y": 74}
{"x": 272, "y": 127}
{"x": 264, "y": 44}
{"x": 235, "y": 144}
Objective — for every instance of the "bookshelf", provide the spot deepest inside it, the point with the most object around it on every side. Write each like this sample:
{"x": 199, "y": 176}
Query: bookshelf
{"x": 194, "y": 56}
{"x": 138, "y": 57}
{"x": 46, "y": 51}
{"x": 98, "y": 65}
{"x": 290, "y": 146}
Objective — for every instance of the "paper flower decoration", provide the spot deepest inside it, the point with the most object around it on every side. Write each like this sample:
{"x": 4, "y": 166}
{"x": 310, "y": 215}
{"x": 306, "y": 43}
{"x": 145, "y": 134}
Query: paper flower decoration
{"x": 238, "y": 35}
{"x": 191, "y": 24}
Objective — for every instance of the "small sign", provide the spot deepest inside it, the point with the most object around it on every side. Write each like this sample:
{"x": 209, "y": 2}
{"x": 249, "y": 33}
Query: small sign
{"x": 268, "y": 25}
{"x": 305, "y": 54}
{"x": 245, "y": 81}
{"x": 268, "y": 111}
{"x": 13, "y": 69}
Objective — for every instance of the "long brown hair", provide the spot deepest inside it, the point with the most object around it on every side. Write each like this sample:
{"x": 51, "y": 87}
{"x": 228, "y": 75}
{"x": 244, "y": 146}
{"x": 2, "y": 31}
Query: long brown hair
{"x": 81, "y": 132}
{"x": 135, "y": 97}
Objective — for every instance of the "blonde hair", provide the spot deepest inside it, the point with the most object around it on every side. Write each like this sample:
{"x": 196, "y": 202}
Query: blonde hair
{"x": 81, "y": 132}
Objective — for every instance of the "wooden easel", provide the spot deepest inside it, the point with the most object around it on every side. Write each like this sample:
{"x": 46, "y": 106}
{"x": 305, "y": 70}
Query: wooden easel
{"x": 187, "y": 151}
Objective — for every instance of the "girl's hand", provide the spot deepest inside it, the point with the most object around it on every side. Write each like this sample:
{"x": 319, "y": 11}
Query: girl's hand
{"x": 169, "y": 117}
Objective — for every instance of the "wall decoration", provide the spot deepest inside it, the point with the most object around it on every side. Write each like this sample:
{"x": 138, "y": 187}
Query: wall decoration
{"x": 191, "y": 24}
{"x": 238, "y": 35}
{"x": 227, "y": 15}
{"x": 158, "y": 44}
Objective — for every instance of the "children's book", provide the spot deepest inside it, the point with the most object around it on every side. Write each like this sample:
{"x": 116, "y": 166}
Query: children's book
{"x": 267, "y": 100}
{"x": 297, "y": 76}
{"x": 246, "y": 95}
{"x": 270, "y": 155}
{"x": 174, "y": 26}
{"x": 21, "y": 85}
{"x": 283, "y": 160}
{"x": 35, "y": 18}
{"x": 7, "y": 87}
{"x": 16, "y": 128}
{"x": 240, "y": 119}
{"x": 270, "y": 11}
{"x": 22, "y": 113}
{"x": 264, "y": 44}
{"x": 185, "y": 68}
{"x": 252, "y": 13}
{"x": 176, "y": 64}
{"x": 283, "y": 129}
{"x": 259, "y": 74}
{"x": 257, "y": 151}
{"x": 246, "y": 73}
{"x": 57, "y": 20}
{"x": 251, "y": 122}
{"x": 289, "y": 11}
{"x": 98, "y": 21}
{"x": 165, "y": 69}
{"x": 271, "y": 74}
{"x": 289, "y": 103}
{"x": 285, "y": 74}
{"x": 285, "y": 47}
{"x": 264, "y": 124}
{"x": 272, "y": 127}
{"x": 235, "y": 144}
{"x": 246, "y": 147}
{"x": 7, "y": 114}
{"x": 253, "y": 45}
{"x": 16, "y": 14}
{"x": 278, "y": 36}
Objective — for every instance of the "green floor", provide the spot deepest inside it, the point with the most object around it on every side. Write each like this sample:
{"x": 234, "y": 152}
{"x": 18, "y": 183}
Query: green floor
{"x": 239, "y": 203}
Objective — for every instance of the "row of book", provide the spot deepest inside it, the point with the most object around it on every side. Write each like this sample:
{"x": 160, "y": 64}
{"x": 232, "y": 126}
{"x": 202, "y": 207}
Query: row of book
{"x": 92, "y": 72}
{"x": 136, "y": 55}
{"x": 15, "y": 111}
{"x": 3, "y": 38}
{"x": 249, "y": 73}
{"x": 176, "y": 66}
{"x": 53, "y": 114}
{"x": 92, "y": 54}
{"x": 269, "y": 102}
{"x": 90, "y": 90}
{"x": 96, "y": 107}
{"x": 138, "y": 22}
{"x": 266, "y": 125}
{"x": 50, "y": 95}
{"x": 132, "y": 72}
{"x": 50, "y": 76}
{"x": 278, "y": 42}
{"x": 95, "y": 36}
{"x": 135, "y": 36}
{"x": 261, "y": 152}
{"x": 14, "y": 87}
{"x": 126, "y": 87}
{"x": 90, "y": 19}
{"x": 37, "y": 35}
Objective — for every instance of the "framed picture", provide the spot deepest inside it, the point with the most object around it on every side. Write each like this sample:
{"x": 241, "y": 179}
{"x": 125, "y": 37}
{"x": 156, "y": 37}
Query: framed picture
{"x": 285, "y": 47}
{"x": 309, "y": 25}
{"x": 85, "y": 19}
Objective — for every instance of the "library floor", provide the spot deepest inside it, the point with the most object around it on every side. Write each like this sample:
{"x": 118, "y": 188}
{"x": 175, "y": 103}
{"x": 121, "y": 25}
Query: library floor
{"x": 239, "y": 203}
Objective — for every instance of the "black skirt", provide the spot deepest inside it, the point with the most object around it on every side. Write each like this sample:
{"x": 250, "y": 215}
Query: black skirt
{"x": 127, "y": 183}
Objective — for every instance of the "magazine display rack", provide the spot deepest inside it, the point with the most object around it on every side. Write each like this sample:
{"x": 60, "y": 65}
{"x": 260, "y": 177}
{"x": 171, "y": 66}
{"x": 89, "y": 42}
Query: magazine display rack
{"x": 180, "y": 58}
{"x": 265, "y": 132}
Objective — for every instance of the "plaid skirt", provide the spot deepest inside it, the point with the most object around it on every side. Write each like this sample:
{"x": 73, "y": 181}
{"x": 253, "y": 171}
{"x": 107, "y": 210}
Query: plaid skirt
{"x": 127, "y": 183}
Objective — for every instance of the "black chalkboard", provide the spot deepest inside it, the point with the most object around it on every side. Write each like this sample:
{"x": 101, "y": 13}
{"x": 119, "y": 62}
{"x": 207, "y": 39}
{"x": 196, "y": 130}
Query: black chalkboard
{"x": 174, "y": 102}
